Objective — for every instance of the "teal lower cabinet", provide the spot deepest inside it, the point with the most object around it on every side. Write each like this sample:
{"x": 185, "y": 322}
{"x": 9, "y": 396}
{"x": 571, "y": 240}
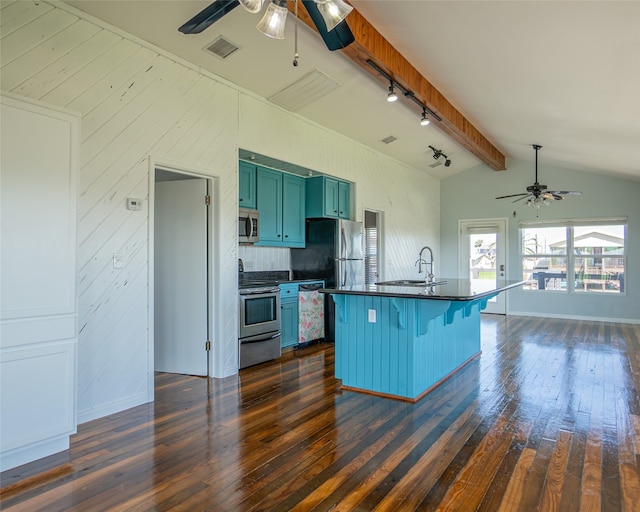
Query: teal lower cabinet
{"x": 403, "y": 347}
{"x": 289, "y": 314}
{"x": 289, "y": 321}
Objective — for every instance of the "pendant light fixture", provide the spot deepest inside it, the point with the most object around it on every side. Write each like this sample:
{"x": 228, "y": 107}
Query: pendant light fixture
{"x": 253, "y": 6}
{"x": 274, "y": 19}
{"x": 333, "y": 12}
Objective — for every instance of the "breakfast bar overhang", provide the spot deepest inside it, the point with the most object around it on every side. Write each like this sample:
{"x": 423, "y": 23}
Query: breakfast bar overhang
{"x": 402, "y": 341}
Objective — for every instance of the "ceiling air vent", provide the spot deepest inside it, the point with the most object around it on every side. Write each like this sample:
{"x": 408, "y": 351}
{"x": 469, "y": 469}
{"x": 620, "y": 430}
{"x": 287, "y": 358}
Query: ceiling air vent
{"x": 221, "y": 48}
{"x": 389, "y": 139}
{"x": 306, "y": 90}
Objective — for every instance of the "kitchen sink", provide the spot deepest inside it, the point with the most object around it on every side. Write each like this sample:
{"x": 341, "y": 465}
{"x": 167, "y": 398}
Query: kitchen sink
{"x": 410, "y": 282}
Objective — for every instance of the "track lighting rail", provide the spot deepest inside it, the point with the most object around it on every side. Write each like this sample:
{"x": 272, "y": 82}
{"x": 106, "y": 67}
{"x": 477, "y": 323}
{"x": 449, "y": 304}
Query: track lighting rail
{"x": 410, "y": 95}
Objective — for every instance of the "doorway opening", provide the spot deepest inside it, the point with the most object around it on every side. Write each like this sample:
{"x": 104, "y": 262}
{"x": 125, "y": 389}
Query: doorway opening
{"x": 483, "y": 254}
{"x": 181, "y": 272}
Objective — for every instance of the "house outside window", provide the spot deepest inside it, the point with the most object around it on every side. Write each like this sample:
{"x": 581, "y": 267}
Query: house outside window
{"x": 574, "y": 256}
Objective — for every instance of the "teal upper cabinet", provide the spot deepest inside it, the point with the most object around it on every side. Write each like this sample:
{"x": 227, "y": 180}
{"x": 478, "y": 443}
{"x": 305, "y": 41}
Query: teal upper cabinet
{"x": 293, "y": 210}
{"x": 269, "y": 202}
{"x": 280, "y": 200}
{"x": 246, "y": 185}
{"x": 344, "y": 200}
{"x": 328, "y": 197}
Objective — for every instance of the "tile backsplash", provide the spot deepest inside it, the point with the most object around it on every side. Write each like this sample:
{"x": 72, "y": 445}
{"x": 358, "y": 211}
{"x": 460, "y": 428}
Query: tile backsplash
{"x": 264, "y": 258}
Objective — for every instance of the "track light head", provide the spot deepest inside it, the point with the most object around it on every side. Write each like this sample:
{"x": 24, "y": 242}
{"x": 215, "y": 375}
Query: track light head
{"x": 424, "y": 120}
{"x": 437, "y": 153}
{"x": 392, "y": 96}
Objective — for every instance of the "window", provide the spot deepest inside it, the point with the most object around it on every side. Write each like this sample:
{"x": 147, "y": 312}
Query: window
{"x": 578, "y": 256}
{"x": 371, "y": 252}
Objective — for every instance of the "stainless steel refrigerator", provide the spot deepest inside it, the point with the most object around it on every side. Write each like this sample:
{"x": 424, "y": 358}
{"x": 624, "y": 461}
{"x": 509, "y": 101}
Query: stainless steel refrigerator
{"x": 333, "y": 252}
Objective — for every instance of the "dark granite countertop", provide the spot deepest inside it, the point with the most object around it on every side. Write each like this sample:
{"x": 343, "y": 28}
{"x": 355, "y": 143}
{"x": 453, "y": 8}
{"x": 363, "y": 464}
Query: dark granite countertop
{"x": 448, "y": 289}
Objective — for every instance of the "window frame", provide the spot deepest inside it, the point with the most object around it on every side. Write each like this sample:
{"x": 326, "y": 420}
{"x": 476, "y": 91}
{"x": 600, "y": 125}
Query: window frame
{"x": 372, "y": 232}
{"x": 570, "y": 254}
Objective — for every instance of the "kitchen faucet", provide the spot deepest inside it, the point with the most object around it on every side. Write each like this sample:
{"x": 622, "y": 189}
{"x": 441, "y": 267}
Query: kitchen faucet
{"x": 421, "y": 260}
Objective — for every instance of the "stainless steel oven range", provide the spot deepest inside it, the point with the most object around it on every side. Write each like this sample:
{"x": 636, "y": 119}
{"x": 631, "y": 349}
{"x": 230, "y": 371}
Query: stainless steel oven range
{"x": 259, "y": 329}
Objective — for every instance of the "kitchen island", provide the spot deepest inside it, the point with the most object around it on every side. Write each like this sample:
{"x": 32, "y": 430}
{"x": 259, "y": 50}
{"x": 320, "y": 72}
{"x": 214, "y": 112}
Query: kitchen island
{"x": 402, "y": 341}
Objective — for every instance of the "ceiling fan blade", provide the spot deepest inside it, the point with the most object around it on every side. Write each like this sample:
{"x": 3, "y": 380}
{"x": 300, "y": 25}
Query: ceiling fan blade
{"x": 513, "y": 195}
{"x": 208, "y": 16}
{"x": 566, "y": 192}
{"x": 336, "y": 39}
{"x": 552, "y": 195}
{"x": 523, "y": 197}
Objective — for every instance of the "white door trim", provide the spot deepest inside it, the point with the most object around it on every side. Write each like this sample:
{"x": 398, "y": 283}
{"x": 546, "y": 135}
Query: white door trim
{"x": 213, "y": 264}
{"x": 502, "y": 223}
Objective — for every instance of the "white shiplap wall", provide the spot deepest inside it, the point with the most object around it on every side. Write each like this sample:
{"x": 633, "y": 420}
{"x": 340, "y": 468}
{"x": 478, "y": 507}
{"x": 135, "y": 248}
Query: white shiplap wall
{"x": 139, "y": 105}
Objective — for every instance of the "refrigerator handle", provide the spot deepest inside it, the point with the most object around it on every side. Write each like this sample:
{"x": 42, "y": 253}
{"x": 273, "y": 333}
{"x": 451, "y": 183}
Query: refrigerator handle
{"x": 343, "y": 243}
{"x": 343, "y": 272}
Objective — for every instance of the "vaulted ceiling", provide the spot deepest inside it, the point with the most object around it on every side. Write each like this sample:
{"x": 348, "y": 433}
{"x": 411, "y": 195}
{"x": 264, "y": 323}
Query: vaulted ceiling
{"x": 565, "y": 75}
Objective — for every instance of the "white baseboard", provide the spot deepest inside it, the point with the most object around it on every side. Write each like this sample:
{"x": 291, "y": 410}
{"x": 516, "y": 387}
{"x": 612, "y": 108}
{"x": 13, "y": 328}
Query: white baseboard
{"x": 576, "y": 317}
{"x": 112, "y": 407}
{"x": 34, "y": 451}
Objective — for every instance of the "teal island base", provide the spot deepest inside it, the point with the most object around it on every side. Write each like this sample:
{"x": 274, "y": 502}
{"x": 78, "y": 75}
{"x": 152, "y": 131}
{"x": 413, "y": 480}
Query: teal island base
{"x": 401, "y": 347}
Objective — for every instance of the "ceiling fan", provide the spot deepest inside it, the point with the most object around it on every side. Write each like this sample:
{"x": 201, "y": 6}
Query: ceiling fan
{"x": 327, "y": 15}
{"x": 537, "y": 194}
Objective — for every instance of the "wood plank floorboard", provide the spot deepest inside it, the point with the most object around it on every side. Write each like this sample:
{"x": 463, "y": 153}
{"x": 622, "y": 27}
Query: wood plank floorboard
{"x": 547, "y": 419}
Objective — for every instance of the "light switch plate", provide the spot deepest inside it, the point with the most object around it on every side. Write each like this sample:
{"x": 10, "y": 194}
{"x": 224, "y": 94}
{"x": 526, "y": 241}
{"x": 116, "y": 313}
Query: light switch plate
{"x": 118, "y": 260}
{"x": 372, "y": 316}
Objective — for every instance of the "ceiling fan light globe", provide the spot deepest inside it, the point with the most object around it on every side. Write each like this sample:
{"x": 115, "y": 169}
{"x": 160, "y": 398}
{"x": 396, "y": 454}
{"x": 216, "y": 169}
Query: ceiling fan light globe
{"x": 253, "y": 6}
{"x": 274, "y": 19}
{"x": 333, "y": 12}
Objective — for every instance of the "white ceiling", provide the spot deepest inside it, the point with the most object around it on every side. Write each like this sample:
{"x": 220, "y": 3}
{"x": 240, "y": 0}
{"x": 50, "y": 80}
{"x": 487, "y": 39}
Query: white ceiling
{"x": 563, "y": 74}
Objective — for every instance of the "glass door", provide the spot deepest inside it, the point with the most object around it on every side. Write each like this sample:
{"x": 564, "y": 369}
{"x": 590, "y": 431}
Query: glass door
{"x": 483, "y": 258}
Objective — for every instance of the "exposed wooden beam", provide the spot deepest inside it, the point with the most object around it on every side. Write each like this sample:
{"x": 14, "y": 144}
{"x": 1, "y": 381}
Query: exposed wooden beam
{"x": 369, "y": 44}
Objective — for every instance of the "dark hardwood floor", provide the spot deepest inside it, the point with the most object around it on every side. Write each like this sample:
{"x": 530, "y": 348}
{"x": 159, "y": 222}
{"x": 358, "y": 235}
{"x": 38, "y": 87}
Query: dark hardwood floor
{"x": 548, "y": 418}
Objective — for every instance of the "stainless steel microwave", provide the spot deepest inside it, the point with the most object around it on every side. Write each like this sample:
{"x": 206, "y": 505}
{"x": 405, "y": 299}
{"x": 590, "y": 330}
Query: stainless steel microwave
{"x": 248, "y": 222}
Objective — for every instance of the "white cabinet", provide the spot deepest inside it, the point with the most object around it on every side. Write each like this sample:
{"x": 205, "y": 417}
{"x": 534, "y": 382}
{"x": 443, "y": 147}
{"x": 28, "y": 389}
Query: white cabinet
{"x": 38, "y": 311}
